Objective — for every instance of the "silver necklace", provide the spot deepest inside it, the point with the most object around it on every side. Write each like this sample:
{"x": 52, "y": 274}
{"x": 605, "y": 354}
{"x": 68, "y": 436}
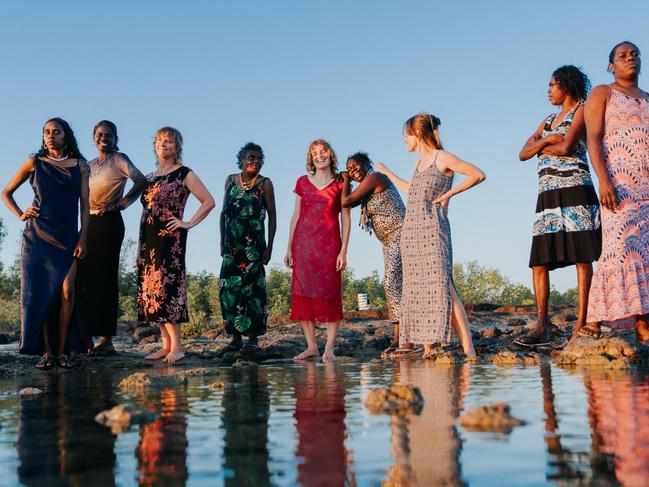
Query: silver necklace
{"x": 96, "y": 167}
{"x": 57, "y": 159}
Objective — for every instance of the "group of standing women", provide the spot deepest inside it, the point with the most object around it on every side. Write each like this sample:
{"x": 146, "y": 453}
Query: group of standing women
{"x": 611, "y": 125}
{"x": 69, "y": 290}
{"x": 69, "y": 275}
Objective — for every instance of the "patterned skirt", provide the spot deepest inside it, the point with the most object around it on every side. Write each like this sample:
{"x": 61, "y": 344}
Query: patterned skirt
{"x": 566, "y": 227}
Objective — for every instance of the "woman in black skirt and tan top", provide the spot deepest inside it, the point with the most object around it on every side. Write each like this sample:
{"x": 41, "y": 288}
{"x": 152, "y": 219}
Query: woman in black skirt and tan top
{"x": 109, "y": 173}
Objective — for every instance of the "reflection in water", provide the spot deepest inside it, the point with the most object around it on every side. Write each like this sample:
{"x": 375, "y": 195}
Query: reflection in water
{"x": 59, "y": 442}
{"x": 427, "y": 447}
{"x": 162, "y": 451}
{"x": 619, "y": 419}
{"x": 320, "y": 421}
{"x": 246, "y": 410}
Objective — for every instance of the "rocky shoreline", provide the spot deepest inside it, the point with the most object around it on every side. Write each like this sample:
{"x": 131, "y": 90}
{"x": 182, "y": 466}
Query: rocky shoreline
{"x": 364, "y": 335}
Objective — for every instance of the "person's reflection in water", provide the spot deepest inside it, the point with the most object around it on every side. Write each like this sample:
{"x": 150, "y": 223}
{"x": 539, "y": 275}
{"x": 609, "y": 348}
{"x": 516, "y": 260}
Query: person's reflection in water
{"x": 58, "y": 441}
{"x": 162, "y": 451}
{"x": 427, "y": 447}
{"x": 246, "y": 410}
{"x": 320, "y": 422}
{"x": 563, "y": 464}
{"x": 619, "y": 419}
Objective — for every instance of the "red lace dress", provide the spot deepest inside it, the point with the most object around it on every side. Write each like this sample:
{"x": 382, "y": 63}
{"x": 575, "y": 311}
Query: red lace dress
{"x": 316, "y": 286}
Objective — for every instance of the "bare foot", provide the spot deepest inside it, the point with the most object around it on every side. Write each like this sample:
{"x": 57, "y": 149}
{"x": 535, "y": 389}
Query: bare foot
{"x": 173, "y": 357}
{"x": 157, "y": 355}
{"x": 308, "y": 353}
{"x": 328, "y": 356}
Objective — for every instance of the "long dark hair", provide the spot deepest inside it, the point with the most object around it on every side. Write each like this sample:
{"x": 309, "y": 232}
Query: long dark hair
{"x": 71, "y": 147}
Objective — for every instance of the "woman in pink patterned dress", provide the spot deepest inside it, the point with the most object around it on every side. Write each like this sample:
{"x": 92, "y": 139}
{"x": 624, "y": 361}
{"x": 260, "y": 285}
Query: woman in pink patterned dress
{"x": 161, "y": 286}
{"x": 617, "y": 126}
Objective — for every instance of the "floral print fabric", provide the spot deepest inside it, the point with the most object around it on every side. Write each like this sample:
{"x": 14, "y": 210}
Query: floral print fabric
{"x": 242, "y": 283}
{"x": 162, "y": 290}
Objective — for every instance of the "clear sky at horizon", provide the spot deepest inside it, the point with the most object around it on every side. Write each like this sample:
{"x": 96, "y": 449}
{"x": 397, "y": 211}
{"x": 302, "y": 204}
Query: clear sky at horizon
{"x": 283, "y": 73}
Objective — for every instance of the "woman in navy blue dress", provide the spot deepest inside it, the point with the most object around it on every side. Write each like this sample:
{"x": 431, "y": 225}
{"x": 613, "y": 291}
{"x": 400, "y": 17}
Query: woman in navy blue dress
{"x": 52, "y": 243}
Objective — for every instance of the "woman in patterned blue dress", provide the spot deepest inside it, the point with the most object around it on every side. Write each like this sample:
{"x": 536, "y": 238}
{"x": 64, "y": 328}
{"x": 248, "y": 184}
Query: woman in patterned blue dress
{"x": 566, "y": 223}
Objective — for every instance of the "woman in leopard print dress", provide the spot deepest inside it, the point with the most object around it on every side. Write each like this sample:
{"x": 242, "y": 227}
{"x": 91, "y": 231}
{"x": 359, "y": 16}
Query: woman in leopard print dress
{"x": 382, "y": 211}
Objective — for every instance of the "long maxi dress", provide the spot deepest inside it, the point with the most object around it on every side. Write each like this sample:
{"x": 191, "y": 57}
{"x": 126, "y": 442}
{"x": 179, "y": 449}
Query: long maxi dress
{"x": 98, "y": 270}
{"x": 383, "y": 213}
{"x": 620, "y": 286}
{"x": 566, "y": 223}
{"x": 242, "y": 281}
{"x": 427, "y": 258}
{"x": 162, "y": 288}
{"x": 48, "y": 244}
{"x": 316, "y": 286}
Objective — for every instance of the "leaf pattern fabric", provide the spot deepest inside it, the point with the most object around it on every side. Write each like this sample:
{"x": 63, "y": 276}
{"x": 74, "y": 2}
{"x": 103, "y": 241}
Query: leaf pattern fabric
{"x": 242, "y": 283}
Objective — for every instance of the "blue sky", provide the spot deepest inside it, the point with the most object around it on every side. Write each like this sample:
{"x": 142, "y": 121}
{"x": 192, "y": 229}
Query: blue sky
{"x": 285, "y": 72}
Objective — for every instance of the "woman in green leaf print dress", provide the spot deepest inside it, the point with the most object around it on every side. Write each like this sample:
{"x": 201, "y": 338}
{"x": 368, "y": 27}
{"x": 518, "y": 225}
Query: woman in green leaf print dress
{"x": 242, "y": 285}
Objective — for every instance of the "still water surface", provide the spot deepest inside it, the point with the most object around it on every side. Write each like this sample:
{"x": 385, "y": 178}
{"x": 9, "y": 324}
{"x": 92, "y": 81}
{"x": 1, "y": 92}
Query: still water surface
{"x": 305, "y": 425}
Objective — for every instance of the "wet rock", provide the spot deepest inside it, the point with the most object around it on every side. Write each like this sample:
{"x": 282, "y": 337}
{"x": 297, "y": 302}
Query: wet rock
{"x": 217, "y": 385}
{"x": 121, "y": 417}
{"x": 30, "y": 391}
{"x": 244, "y": 363}
{"x": 507, "y": 357}
{"x": 398, "y": 400}
{"x": 571, "y": 317}
{"x": 448, "y": 358}
{"x": 615, "y": 352}
{"x": 493, "y": 417}
{"x": 140, "y": 381}
{"x": 143, "y": 332}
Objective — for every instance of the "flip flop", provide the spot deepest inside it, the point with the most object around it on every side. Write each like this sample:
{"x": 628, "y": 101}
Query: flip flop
{"x": 46, "y": 362}
{"x": 586, "y": 332}
{"x": 250, "y": 348}
{"x": 407, "y": 352}
{"x": 68, "y": 361}
{"x": 532, "y": 341}
{"x": 102, "y": 351}
{"x": 391, "y": 349}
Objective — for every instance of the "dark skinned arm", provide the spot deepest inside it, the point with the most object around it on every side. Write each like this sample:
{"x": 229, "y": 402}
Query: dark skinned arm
{"x": 269, "y": 202}
{"x": 368, "y": 185}
{"x": 19, "y": 178}
{"x": 569, "y": 142}
{"x": 594, "y": 117}
{"x": 222, "y": 218}
{"x": 536, "y": 143}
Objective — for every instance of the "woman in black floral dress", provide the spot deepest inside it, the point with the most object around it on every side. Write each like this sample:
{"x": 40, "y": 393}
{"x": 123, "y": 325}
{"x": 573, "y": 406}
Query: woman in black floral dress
{"x": 242, "y": 286}
{"x": 162, "y": 291}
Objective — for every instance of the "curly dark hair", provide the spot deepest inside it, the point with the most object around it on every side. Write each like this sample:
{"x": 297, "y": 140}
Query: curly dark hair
{"x": 572, "y": 81}
{"x": 250, "y": 146}
{"x": 362, "y": 158}
{"x": 611, "y": 54}
{"x": 71, "y": 146}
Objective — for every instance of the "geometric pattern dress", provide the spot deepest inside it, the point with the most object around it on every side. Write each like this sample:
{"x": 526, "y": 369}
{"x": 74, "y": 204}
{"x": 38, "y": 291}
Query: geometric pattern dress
{"x": 620, "y": 286}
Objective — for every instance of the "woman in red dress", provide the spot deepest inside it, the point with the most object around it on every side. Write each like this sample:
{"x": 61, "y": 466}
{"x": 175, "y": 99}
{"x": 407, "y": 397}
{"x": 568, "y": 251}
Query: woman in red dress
{"x": 316, "y": 252}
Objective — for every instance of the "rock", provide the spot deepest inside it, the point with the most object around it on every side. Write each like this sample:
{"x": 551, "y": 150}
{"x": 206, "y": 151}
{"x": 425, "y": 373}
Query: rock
{"x": 571, "y": 317}
{"x": 517, "y": 310}
{"x": 4, "y": 339}
{"x": 612, "y": 352}
{"x": 492, "y": 417}
{"x": 143, "y": 332}
{"x": 217, "y": 385}
{"x": 491, "y": 332}
{"x": 30, "y": 391}
{"x": 398, "y": 400}
{"x": 448, "y": 358}
{"x": 507, "y": 357}
{"x": 516, "y": 321}
{"x": 140, "y": 381}
{"x": 244, "y": 363}
{"x": 121, "y": 417}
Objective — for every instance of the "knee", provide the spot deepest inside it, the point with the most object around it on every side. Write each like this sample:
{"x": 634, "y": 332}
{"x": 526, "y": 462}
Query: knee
{"x": 67, "y": 295}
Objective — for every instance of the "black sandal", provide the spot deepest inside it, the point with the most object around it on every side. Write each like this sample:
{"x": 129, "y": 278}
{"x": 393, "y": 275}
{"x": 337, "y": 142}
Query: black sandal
{"x": 102, "y": 351}
{"x": 532, "y": 341}
{"x": 68, "y": 361}
{"x": 250, "y": 348}
{"x": 46, "y": 362}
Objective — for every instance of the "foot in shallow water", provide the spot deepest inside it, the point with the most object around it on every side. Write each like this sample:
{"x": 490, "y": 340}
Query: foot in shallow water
{"x": 308, "y": 353}
{"x": 173, "y": 357}
{"x": 157, "y": 355}
{"x": 328, "y": 355}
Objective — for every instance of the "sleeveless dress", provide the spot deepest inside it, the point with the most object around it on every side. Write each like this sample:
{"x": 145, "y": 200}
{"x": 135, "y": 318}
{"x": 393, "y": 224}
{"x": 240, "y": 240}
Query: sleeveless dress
{"x": 242, "y": 281}
{"x": 316, "y": 286}
{"x": 162, "y": 289}
{"x": 383, "y": 213}
{"x": 48, "y": 243}
{"x": 620, "y": 286}
{"x": 427, "y": 258}
{"x": 566, "y": 224}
